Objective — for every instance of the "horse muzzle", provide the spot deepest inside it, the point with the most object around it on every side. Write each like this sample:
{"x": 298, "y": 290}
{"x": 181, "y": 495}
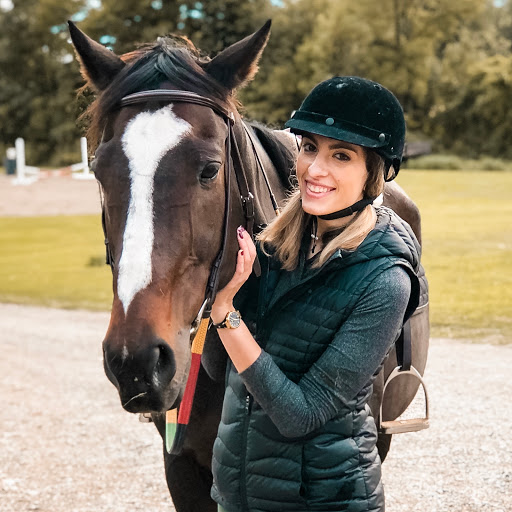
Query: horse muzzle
{"x": 143, "y": 378}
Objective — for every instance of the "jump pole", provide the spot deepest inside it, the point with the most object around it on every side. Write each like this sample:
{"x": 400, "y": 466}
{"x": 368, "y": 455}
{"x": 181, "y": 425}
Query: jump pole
{"x": 21, "y": 169}
{"x": 83, "y": 165}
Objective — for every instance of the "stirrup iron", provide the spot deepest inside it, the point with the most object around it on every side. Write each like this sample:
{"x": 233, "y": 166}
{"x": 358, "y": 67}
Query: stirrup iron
{"x": 408, "y": 425}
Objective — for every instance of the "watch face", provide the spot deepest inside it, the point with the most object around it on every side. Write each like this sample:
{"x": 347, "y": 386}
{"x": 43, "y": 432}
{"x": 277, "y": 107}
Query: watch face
{"x": 234, "y": 319}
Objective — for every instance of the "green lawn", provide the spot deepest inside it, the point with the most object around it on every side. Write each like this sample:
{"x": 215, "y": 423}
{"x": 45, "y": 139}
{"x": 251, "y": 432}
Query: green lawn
{"x": 54, "y": 261}
{"x": 467, "y": 252}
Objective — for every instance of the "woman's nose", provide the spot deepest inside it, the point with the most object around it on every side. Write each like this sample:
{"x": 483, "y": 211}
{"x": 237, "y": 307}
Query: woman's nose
{"x": 316, "y": 168}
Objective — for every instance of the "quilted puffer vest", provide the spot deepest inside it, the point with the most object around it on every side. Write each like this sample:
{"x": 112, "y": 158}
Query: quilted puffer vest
{"x": 336, "y": 467}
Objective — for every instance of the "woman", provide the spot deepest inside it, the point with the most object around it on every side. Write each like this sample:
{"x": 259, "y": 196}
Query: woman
{"x": 338, "y": 280}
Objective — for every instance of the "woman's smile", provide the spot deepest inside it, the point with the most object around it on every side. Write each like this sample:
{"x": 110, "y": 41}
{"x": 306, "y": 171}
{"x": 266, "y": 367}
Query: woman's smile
{"x": 317, "y": 190}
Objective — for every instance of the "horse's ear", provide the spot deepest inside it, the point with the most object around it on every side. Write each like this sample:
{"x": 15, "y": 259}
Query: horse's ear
{"x": 98, "y": 65}
{"x": 238, "y": 63}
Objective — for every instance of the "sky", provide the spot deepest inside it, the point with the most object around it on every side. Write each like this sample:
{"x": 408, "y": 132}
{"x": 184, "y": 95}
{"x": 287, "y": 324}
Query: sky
{"x": 6, "y": 5}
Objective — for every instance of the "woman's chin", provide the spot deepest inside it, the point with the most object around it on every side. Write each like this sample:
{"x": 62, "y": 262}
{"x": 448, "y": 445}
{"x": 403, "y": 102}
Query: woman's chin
{"x": 323, "y": 207}
{"x": 315, "y": 207}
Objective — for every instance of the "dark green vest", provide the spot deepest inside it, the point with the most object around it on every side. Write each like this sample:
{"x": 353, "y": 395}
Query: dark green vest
{"x": 336, "y": 467}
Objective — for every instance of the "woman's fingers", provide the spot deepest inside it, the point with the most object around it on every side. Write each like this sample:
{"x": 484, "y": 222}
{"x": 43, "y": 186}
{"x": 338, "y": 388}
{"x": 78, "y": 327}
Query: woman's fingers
{"x": 240, "y": 262}
{"x": 246, "y": 245}
{"x": 244, "y": 261}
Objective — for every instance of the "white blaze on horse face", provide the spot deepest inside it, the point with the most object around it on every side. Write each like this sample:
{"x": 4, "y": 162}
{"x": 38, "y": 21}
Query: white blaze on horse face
{"x": 147, "y": 138}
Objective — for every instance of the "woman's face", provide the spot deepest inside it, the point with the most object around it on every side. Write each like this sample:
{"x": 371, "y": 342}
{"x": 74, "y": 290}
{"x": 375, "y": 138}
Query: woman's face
{"x": 331, "y": 174}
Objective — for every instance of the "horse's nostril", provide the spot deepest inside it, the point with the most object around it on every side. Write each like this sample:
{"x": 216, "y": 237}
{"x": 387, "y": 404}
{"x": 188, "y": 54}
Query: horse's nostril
{"x": 165, "y": 363}
{"x": 161, "y": 367}
{"x": 108, "y": 370}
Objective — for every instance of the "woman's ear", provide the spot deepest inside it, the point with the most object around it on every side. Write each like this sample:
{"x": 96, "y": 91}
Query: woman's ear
{"x": 238, "y": 63}
{"x": 99, "y": 66}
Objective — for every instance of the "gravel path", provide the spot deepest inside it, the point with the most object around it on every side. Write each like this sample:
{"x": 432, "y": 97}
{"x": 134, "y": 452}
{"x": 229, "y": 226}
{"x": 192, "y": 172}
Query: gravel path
{"x": 49, "y": 196}
{"x": 67, "y": 446}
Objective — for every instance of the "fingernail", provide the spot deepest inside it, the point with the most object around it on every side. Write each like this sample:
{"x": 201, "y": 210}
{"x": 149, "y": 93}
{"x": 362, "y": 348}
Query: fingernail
{"x": 240, "y": 231}
{"x": 242, "y": 253}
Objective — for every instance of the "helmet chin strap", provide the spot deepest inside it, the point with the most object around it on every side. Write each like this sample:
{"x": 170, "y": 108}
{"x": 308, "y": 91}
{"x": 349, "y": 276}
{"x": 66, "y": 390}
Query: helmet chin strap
{"x": 356, "y": 207}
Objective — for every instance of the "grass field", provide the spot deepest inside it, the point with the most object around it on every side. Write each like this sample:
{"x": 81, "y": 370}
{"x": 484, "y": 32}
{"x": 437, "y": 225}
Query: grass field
{"x": 54, "y": 261}
{"x": 467, "y": 250}
{"x": 467, "y": 253}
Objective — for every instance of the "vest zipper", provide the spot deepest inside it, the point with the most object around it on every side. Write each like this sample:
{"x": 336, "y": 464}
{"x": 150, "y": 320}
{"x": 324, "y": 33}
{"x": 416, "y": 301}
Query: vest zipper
{"x": 243, "y": 472}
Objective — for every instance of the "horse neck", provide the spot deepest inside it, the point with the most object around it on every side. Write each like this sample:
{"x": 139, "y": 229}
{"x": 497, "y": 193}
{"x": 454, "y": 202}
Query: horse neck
{"x": 275, "y": 169}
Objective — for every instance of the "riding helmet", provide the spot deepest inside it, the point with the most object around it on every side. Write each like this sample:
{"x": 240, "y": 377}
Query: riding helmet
{"x": 358, "y": 111}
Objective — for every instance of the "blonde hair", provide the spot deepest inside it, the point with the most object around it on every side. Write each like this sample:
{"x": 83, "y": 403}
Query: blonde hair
{"x": 285, "y": 233}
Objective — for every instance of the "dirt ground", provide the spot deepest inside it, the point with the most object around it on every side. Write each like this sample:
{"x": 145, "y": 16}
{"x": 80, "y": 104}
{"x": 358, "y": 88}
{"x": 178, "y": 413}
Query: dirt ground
{"x": 66, "y": 445}
{"x": 49, "y": 196}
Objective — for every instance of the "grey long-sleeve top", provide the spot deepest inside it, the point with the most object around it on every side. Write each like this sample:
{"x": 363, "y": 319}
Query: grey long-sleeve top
{"x": 349, "y": 362}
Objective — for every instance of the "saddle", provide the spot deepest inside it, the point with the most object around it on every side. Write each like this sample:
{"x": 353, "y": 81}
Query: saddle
{"x": 403, "y": 346}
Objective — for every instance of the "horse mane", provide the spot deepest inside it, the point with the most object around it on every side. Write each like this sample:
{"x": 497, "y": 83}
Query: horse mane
{"x": 282, "y": 157}
{"x": 172, "y": 59}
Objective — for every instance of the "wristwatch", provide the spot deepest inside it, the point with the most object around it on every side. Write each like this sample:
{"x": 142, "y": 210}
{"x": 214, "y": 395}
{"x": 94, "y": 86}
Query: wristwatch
{"x": 232, "y": 321}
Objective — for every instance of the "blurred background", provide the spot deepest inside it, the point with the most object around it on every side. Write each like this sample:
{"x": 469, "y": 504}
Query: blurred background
{"x": 450, "y": 64}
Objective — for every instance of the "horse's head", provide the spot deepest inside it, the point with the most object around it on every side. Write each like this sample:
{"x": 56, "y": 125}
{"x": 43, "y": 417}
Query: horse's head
{"x": 160, "y": 166}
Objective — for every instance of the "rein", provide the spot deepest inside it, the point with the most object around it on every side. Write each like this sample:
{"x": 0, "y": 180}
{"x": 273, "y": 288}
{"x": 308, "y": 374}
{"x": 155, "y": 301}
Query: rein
{"x": 178, "y": 419}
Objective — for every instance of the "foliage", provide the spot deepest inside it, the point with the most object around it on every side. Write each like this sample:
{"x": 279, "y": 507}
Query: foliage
{"x": 454, "y": 162}
{"x": 216, "y": 24}
{"x": 480, "y": 121}
{"x": 436, "y": 162}
{"x": 448, "y": 62}
{"x": 122, "y": 25}
{"x": 38, "y": 80}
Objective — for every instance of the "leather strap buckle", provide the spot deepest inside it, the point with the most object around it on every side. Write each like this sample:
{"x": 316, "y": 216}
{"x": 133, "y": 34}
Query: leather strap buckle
{"x": 248, "y": 205}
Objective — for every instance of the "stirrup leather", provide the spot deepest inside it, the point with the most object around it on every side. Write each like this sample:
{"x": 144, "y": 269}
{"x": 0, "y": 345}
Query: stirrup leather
{"x": 408, "y": 425}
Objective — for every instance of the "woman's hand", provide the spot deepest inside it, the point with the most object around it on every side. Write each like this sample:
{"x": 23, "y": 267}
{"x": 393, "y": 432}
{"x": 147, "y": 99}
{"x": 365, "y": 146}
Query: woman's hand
{"x": 245, "y": 259}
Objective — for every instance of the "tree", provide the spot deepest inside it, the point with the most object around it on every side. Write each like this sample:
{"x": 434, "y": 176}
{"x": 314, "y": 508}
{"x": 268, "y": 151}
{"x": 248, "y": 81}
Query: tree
{"x": 122, "y": 25}
{"x": 38, "y": 80}
{"x": 478, "y": 121}
{"x": 435, "y": 55}
{"x": 281, "y": 83}
{"x": 215, "y": 24}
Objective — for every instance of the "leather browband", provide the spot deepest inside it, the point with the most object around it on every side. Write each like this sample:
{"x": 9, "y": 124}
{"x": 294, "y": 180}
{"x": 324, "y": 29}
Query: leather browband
{"x": 176, "y": 95}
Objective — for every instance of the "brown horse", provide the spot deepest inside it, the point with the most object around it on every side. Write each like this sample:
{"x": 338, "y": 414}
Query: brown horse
{"x": 164, "y": 171}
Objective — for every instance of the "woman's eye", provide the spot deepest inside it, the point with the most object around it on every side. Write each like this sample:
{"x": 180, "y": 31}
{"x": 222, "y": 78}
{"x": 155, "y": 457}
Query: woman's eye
{"x": 308, "y": 147}
{"x": 210, "y": 171}
{"x": 341, "y": 156}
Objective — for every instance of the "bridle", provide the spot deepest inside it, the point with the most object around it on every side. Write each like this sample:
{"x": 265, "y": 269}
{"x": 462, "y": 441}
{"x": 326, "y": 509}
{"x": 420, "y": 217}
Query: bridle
{"x": 177, "y": 420}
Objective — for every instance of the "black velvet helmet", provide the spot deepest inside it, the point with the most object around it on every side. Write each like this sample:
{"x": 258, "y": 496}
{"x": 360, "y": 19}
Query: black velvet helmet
{"x": 358, "y": 111}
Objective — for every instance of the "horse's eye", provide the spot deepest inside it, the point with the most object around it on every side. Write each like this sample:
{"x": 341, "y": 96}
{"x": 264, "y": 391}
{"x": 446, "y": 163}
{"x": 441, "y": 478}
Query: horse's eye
{"x": 210, "y": 171}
